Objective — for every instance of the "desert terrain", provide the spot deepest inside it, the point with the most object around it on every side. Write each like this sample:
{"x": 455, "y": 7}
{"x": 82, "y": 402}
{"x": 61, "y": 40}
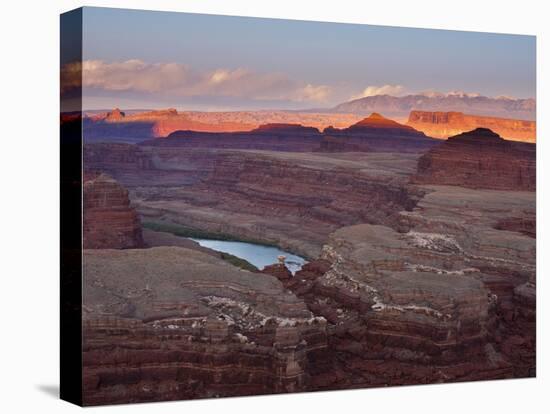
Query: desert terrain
{"x": 420, "y": 257}
{"x": 436, "y": 116}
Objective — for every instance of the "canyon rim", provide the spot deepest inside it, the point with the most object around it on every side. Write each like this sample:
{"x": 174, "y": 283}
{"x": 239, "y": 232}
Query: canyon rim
{"x": 259, "y": 206}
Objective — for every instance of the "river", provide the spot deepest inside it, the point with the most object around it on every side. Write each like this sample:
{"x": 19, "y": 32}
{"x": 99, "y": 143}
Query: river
{"x": 256, "y": 254}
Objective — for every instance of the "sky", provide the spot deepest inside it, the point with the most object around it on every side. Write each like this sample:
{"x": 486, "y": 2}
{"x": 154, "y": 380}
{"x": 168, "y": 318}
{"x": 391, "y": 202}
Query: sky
{"x": 144, "y": 59}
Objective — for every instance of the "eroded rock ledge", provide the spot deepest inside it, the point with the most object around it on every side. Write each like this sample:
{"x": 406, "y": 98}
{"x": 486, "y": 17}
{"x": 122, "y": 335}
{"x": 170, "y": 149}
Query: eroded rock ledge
{"x": 172, "y": 323}
{"x": 448, "y": 298}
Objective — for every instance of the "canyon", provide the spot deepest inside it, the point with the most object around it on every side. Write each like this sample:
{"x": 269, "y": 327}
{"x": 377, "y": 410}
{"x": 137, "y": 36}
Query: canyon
{"x": 306, "y": 195}
{"x": 263, "y": 207}
{"x": 417, "y": 273}
{"x": 446, "y": 124}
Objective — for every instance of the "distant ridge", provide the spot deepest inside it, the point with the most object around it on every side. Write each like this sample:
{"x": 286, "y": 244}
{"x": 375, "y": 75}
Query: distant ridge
{"x": 401, "y": 106}
{"x": 285, "y": 128}
{"x": 270, "y": 137}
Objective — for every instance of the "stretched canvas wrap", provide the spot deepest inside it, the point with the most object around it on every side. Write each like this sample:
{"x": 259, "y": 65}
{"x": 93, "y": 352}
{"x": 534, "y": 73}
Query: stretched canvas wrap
{"x": 257, "y": 206}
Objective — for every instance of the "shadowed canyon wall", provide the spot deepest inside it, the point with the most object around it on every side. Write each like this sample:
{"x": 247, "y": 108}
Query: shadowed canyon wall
{"x": 480, "y": 159}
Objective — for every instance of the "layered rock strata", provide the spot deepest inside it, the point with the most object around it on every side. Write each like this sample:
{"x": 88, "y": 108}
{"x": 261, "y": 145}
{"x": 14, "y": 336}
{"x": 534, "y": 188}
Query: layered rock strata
{"x": 108, "y": 219}
{"x": 414, "y": 283}
{"x": 525, "y": 223}
{"x": 172, "y": 323}
{"x": 447, "y": 297}
{"x": 447, "y": 124}
{"x": 294, "y": 200}
{"x": 480, "y": 159}
{"x": 505, "y": 258}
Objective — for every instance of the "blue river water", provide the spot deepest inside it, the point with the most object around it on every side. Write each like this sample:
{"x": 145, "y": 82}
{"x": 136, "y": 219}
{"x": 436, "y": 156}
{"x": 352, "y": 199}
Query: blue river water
{"x": 260, "y": 256}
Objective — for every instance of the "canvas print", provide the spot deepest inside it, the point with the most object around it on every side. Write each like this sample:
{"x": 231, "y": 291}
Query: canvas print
{"x": 276, "y": 206}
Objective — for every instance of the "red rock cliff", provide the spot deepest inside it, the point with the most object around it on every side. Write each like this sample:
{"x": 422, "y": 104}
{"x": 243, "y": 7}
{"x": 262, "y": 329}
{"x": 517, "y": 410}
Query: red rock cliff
{"x": 446, "y": 124}
{"x": 109, "y": 221}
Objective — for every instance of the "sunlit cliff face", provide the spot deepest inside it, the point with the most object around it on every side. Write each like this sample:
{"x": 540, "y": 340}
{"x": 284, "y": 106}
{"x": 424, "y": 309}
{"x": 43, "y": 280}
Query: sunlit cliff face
{"x": 446, "y": 124}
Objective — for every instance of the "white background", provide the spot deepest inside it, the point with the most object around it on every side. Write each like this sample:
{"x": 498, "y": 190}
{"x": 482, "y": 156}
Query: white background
{"x": 29, "y": 235}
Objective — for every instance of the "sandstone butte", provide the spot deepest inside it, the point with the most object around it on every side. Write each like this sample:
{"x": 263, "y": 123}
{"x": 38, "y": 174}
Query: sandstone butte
{"x": 446, "y": 124}
{"x": 480, "y": 159}
{"x": 115, "y": 115}
{"x": 375, "y": 133}
{"x": 109, "y": 221}
{"x": 375, "y": 120}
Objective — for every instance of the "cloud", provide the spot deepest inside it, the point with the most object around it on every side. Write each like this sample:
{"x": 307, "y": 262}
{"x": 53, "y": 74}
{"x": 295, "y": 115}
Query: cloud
{"x": 133, "y": 75}
{"x": 314, "y": 93}
{"x": 399, "y": 90}
{"x": 71, "y": 76}
{"x": 174, "y": 79}
{"x": 380, "y": 90}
